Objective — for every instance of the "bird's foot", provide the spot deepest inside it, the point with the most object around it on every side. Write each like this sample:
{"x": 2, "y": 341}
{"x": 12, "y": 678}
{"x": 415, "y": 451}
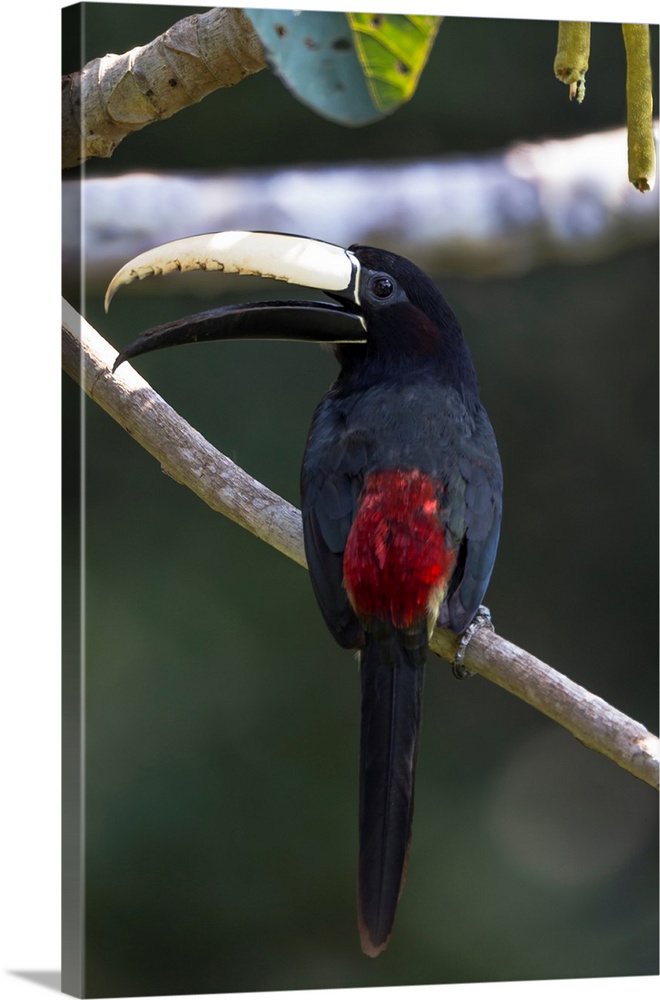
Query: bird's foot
{"x": 481, "y": 620}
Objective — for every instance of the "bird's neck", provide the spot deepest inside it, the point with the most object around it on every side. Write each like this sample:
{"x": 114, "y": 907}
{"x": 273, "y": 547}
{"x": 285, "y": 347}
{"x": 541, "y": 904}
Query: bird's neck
{"x": 363, "y": 367}
{"x": 406, "y": 343}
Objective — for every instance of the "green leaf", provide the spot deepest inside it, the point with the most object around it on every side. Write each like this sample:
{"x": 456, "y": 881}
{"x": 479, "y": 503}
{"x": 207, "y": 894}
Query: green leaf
{"x": 393, "y": 49}
{"x": 350, "y": 68}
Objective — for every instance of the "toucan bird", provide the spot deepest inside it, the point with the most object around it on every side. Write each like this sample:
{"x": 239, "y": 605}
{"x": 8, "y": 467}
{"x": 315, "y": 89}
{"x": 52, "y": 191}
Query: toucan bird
{"x": 401, "y": 490}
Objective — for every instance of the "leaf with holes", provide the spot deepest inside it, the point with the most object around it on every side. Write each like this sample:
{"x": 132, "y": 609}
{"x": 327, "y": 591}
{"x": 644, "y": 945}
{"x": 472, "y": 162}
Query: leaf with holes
{"x": 350, "y": 68}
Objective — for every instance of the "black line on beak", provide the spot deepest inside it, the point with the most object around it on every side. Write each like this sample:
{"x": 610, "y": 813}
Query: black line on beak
{"x": 312, "y": 322}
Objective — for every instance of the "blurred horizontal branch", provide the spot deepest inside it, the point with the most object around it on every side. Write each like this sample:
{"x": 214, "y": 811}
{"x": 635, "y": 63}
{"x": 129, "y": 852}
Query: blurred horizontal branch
{"x": 562, "y": 201}
{"x": 116, "y": 95}
{"x": 189, "y": 459}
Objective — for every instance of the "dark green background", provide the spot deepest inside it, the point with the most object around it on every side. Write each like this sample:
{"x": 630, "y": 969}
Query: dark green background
{"x": 222, "y": 721}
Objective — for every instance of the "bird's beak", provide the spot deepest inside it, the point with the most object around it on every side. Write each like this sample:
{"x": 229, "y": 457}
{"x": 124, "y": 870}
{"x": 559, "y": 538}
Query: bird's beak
{"x": 295, "y": 259}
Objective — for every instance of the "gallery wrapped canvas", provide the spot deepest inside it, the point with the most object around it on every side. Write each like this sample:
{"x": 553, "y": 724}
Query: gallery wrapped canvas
{"x": 216, "y": 822}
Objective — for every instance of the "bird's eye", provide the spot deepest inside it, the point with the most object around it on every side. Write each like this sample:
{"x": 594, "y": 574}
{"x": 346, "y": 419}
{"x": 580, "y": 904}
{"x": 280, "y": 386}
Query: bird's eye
{"x": 382, "y": 287}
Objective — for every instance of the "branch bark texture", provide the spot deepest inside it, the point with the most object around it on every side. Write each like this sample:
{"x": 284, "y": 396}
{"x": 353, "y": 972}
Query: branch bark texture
{"x": 119, "y": 94}
{"x": 192, "y": 461}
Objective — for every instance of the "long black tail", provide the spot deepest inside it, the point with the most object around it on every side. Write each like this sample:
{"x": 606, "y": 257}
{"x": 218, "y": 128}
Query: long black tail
{"x": 392, "y": 671}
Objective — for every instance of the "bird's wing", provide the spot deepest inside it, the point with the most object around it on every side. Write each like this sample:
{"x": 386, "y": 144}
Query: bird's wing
{"x": 480, "y": 478}
{"x": 332, "y": 477}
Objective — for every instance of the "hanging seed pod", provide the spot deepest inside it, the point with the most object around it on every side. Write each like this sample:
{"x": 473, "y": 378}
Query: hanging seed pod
{"x": 639, "y": 101}
{"x": 572, "y": 59}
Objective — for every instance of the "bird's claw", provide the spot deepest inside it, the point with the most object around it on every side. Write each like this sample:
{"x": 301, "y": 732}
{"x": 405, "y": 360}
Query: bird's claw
{"x": 481, "y": 620}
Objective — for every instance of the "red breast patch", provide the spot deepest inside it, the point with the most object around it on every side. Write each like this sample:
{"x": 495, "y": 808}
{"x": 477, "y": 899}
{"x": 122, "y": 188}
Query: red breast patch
{"x": 396, "y": 563}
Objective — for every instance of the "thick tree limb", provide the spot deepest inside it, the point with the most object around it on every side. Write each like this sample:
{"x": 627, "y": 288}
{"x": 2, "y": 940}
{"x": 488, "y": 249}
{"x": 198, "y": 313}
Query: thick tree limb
{"x": 559, "y": 201}
{"x": 119, "y": 94}
{"x": 186, "y": 456}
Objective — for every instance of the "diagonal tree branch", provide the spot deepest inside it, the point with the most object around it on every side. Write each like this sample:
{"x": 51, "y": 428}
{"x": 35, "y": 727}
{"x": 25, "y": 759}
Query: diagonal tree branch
{"x": 189, "y": 459}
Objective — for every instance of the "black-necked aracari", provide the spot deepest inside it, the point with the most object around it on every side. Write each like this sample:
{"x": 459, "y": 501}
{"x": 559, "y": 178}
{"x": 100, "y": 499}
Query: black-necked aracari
{"x": 401, "y": 490}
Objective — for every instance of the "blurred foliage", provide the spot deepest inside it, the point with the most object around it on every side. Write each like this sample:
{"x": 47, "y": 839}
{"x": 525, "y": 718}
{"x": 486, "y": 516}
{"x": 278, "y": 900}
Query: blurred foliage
{"x": 222, "y": 720}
